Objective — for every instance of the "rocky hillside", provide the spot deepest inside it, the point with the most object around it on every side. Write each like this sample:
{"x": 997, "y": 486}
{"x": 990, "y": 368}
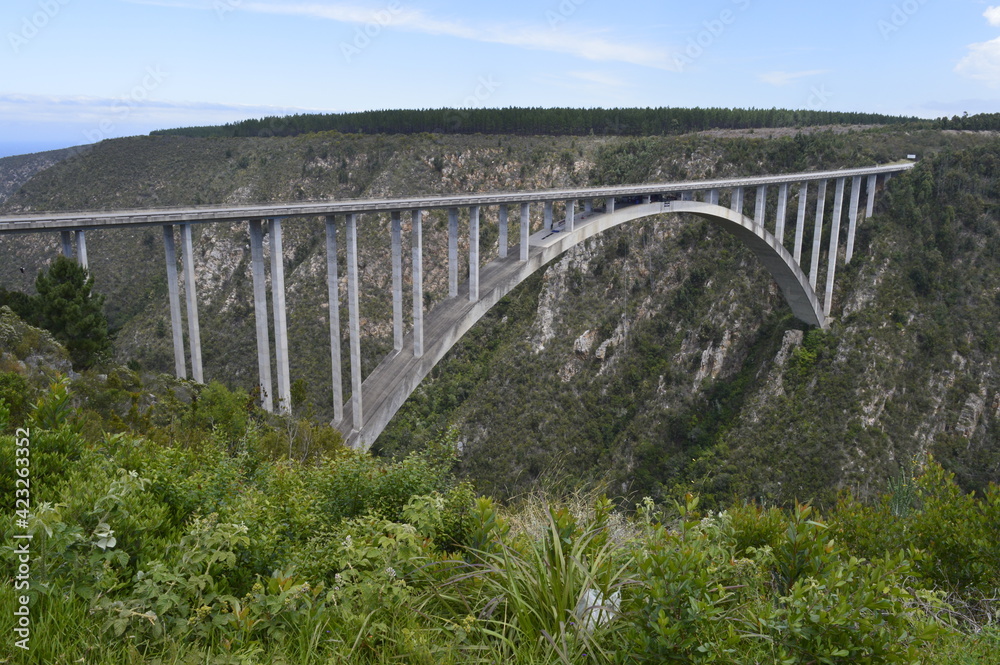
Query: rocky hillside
{"x": 654, "y": 358}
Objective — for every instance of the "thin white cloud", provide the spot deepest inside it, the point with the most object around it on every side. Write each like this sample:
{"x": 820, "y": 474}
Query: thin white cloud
{"x": 785, "y": 78}
{"x": 599, "y": 78}
{"x": 992, "y": 15}
{"x": 982, "y": 63}
{"x": 541, "y": 37}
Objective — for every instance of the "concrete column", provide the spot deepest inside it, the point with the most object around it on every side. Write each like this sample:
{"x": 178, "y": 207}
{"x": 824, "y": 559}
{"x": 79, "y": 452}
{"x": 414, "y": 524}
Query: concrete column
{"x": 260, "y": 315}
{"x": 354, "y": 317}
{"x": 397, "y": 281}
{"x": 417, "y": 240}
{"x": 81, "y": 249}
{"x": 504, "y": 211}
{"x": 838, "y": 209}
{"x": 280, "y": 318}
{"x": 779, "y": 225}
{"x": 760, "y": 206}
{"x": 525, "y": 229}
{"x": 736, "y": 200}
{"x": 818, "y": 233}
{"x": 713, "y": 197}
{"x": 609, "y": 205}
{"x": 333, "y": 295}
{"x": 570, "y": 215}
{"x": 173, "y": 289}
{"x": 194, "y": 330}
{"x": 647, "y": 199}
{"x": 452, "y": 252}
{"x": 800, "y": 221}
{"x": 687, "y": 196}
{"x": 66, "y": 238}
{"x": 588, "y": 206}
{"x": 547, "y": 216}
{"x": 872, "y": 186}
{"x": 474, "y": 253}
{"x": 852, "y": 214}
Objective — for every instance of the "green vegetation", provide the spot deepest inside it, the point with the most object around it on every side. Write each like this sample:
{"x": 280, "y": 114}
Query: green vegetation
{"x": 66, "y": 306}
{"x": 206, "y": 547}
{"x": 539, "y": 121}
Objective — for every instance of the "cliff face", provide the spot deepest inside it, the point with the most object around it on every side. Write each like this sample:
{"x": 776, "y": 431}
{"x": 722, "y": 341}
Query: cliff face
{"x": 656, "y": 357}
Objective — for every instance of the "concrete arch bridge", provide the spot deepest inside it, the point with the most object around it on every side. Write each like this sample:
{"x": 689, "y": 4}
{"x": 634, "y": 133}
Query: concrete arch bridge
{"x": 418, "y": 347}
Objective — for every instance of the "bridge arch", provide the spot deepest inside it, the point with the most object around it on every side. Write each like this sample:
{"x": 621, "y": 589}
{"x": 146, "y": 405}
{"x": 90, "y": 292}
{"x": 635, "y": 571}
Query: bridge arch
{"x": 399, "y": 374}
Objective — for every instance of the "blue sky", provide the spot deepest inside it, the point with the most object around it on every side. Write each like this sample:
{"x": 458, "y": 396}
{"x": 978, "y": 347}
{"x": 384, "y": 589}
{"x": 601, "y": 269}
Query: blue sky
{"x": 77, "y": 71}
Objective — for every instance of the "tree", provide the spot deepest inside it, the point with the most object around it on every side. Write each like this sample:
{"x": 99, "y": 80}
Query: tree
{"x": 67, "y": 307}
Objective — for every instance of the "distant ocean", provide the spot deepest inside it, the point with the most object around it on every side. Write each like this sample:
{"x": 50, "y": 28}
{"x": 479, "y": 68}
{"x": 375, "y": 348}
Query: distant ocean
{"x": 8, "y": 148}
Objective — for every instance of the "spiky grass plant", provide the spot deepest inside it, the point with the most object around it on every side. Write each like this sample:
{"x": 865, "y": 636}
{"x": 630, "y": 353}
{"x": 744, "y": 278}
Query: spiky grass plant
{"x": 549, "y": 599}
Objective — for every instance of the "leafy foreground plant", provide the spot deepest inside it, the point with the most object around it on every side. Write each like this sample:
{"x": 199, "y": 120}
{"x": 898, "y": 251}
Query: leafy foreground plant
{"x": 551, "y": 599}
{"x": 798, "y": 600}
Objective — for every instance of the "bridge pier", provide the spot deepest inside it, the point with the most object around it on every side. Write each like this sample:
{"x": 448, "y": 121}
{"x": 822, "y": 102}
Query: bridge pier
{"x": 838, "y": 211}
{"x": 570, "y": 215}
{"x": 397, "y": 280}
{"x": 173, "y": 290}
{"x": 452, "y": 252}
{"x": 474, "y": 253}
{"x": 609, "y": 205}
{"x": 547, "y": 216}
{"x": 417, "y": 240}
{"x": 800, "y": 221}
{"x": 280, "y": 317}
{"x": 817, "y": 233}
{"x": 779, "y": 225}
{"x": 588, "y": 207}
{"x": 354, "y": 317}
{"x": 853, "y": 216}
{"x": 872, "y": 186}
{"x": 333, "y": 295}
{"x": 504, "y": 212}
{"x": 760, "y": 206}
{"x": 525, "y": 230}
{"x": 81, "y": 249}
{"x": 260, "y": 315}
{"x": 66, "y": 240}
{"x": 194, "y": 330}
{"x": 713, "y": 197}
{"x": 736, "y": 200}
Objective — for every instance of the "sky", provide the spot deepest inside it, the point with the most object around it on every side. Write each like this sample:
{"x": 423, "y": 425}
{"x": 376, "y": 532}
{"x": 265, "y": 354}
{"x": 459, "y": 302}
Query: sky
{"x": 74, "y": 72}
